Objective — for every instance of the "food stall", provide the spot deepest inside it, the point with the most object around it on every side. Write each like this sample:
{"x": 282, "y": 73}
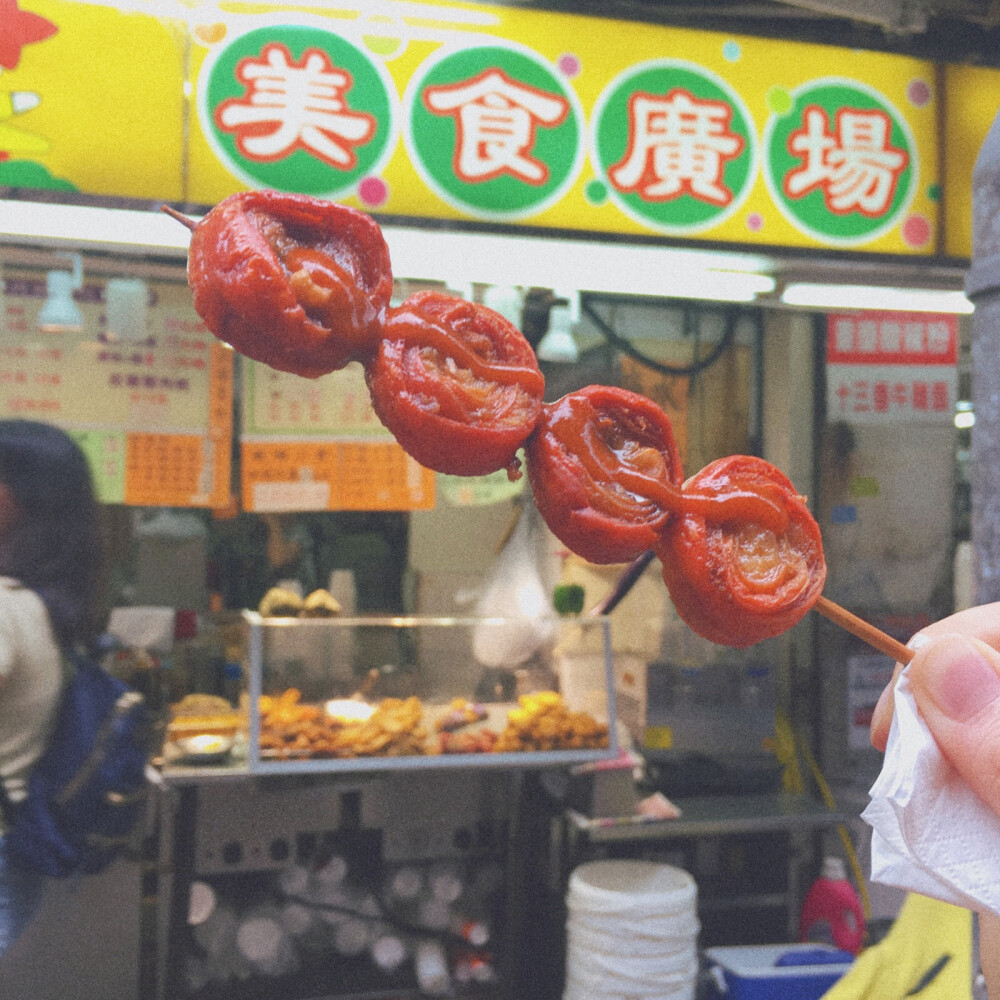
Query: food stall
{"x": 360, "y": 821}
{"x": 223, "y": 476}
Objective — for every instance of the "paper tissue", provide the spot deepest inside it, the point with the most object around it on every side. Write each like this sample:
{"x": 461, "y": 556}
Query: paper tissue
{"x": 930, "y": 832}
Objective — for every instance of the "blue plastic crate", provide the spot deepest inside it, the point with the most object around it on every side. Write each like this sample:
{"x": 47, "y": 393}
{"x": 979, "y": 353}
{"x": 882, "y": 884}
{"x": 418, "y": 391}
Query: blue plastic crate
{"x": 777, "y": 971}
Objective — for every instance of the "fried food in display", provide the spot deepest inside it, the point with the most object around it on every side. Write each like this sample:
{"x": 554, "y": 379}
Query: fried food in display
{"x": 280, "y": 602}
{"x": 542, "y": 721}
{"x": 204, "y": 715}
{"x": 293, "y": 728}
{"x": 320, "y": 604}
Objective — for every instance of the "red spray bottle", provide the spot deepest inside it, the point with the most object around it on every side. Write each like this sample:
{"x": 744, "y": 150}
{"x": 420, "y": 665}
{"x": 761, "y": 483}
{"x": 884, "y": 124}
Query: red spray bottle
{"x": 832, "y": 912}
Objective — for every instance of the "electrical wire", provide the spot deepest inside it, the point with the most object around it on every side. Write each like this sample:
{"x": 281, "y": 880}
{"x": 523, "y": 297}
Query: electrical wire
{"x": 385, "y": 915}
{"x": 627, "y": 347}
{"x": 845, "y": 837}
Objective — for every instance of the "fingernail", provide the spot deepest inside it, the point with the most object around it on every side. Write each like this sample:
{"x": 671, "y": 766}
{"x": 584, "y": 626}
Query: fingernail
{"x": 958, "y": 677}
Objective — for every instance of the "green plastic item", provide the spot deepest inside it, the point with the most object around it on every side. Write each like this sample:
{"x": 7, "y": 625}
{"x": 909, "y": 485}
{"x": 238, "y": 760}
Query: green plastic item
{"x": 567, "y": 598}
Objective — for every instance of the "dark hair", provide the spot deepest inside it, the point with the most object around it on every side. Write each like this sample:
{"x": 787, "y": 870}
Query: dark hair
{"x": 54, "y": 544}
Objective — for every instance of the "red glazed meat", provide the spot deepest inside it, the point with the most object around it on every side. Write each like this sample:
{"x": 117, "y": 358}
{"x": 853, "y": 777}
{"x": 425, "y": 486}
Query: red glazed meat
{"x": 298, "y": 283}
{"x": 605, "y": 472}
{"x": 456, "y": 383}
{"x": 734, "y": 580}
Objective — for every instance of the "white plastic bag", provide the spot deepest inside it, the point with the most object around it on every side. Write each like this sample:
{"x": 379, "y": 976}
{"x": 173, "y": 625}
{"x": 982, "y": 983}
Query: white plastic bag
{"x": 514, "y": 590}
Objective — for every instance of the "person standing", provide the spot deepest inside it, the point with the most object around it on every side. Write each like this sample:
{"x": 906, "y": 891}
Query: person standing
{"x": 50, "y": 576}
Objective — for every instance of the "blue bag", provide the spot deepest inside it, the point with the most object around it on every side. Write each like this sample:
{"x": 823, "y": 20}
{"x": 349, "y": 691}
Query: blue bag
{"x": 87, "y": 791}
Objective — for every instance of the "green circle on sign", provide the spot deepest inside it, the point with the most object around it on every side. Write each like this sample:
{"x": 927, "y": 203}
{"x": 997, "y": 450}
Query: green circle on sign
{"x": 596, "y": 192}
{"x": 494, "y": 131}
{"x": 857, "y": 172}
{"x": 675, "y": 144}
{"x": 309, "y": 151}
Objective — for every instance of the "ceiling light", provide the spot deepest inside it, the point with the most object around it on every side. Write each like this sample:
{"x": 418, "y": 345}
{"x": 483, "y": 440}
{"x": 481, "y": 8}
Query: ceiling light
{"x": 59, "y": 313}
{"x": 83, "y": 227}
{"x": 448, "y": 256}
{"x": 558, "y": 344}
{"x": 855, "y": 297}
{"x": 127, "y": 304}
{"x": 508, "y": 258}
{"x": 548, "y": 262}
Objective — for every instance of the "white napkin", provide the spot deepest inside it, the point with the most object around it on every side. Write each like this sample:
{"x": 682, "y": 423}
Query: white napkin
{"x": 930, "y": 832}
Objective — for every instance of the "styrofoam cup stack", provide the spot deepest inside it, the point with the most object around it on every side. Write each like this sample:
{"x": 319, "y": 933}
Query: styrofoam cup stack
{"x": 631, "y": 932}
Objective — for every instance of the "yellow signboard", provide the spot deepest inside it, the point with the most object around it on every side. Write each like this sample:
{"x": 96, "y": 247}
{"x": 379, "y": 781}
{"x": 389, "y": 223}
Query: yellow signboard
{"x": 91, "y": 100}
{"x": 481, "y": 113}
{"x": 972, "y": 102}
{"x": 536, "y": 118}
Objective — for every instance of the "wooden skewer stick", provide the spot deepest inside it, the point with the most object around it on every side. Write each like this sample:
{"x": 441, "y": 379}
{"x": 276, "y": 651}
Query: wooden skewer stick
{"x": 875, "y": 637}
{"x": 865, "y": 631}
{"x": 623, "y": 584}
{"x": 179, "y": 216}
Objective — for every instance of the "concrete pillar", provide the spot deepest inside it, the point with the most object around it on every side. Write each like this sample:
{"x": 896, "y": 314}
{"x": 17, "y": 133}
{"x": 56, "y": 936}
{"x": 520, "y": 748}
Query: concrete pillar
{"x": 983, "y": 288}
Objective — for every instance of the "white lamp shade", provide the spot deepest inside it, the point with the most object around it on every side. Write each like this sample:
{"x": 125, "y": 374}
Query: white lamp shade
{"x": 59, "y": 312}
{"x": 558, "y": 343}
{"x": 127, "y": 300}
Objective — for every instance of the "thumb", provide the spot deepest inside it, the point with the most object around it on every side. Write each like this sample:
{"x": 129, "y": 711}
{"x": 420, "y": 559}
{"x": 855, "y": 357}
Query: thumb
{"x": 956, "y": 684}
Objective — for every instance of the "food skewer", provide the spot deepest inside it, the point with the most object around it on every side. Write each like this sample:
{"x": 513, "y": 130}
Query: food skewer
{"x": 865, "y": 631}
{"x": 623, "y": 584}
{"x": 184, "y": 220}
{"x": 350, "y": 220}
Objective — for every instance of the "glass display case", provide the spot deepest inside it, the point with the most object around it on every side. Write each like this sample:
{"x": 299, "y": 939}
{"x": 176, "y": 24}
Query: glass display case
{"x": 375, "y": 693}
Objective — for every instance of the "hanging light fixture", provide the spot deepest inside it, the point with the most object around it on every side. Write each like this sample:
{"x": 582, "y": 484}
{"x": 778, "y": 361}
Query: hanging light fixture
{"x": 826, "y": 296}
{"x": 59, "y": 313}
{"x": 127, "y": 305}
{"x": 558, "y": 344}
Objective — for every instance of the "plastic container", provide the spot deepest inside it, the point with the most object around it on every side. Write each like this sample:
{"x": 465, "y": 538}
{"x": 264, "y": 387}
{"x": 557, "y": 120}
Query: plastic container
{"x": 776, "y": 971}
{"x": 631, "y": 931}
{"x": 832, "y": 911}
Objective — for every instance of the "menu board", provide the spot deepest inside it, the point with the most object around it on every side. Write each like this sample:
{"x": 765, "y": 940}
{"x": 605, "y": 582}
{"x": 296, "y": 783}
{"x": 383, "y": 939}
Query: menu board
{"x": 153, "y": 415}
{"x": 316, "y": 444}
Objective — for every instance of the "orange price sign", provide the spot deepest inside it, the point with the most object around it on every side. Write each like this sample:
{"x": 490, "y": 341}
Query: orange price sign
{"x": 316, "y": 444}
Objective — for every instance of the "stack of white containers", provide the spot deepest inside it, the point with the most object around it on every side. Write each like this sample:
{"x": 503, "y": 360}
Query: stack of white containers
{"x": 631, "y": 932}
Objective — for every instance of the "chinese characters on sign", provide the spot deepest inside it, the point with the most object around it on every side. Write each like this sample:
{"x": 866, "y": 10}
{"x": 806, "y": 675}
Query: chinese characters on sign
{"x": 886, "y": 367}
{"x": 495, "y": 123}
{"x": 154, "y": 417}
{"x": 493, "y": 131}
{"x": 854, "y": 167}
{"x": 473, "y": 111}
{"x": 676, "y": 145}
{"x": 316, "y": 444}
{"x": 841, "y": 164}
{"x": 496, "y": 131}
{"x": 297, "y": 108}
{"x": 292, "y": 105}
